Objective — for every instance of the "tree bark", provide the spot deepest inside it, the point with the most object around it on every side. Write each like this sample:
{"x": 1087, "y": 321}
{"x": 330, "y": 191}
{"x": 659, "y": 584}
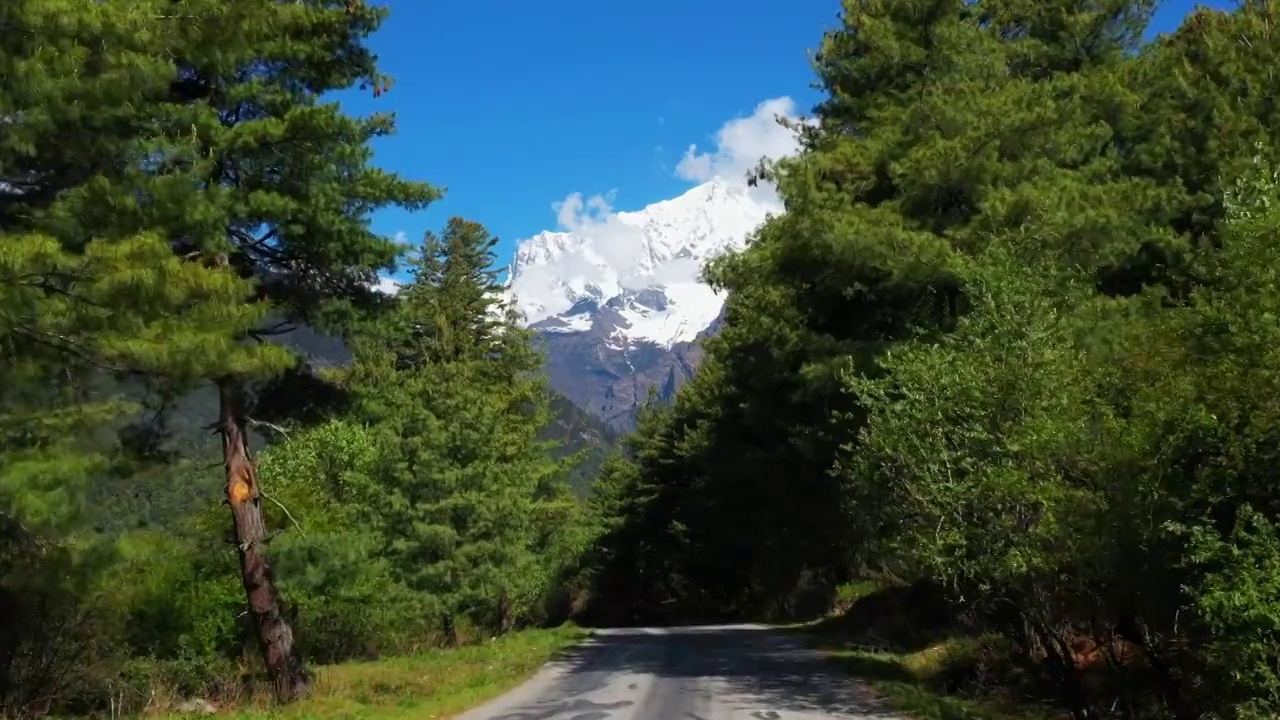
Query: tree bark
{"x": 451, "y": 637}
{"x": 275, "y": 636}
{"x": 504, "y": 614}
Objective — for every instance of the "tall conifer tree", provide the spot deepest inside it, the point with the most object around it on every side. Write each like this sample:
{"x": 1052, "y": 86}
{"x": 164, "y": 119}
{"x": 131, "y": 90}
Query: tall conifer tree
{"x": 208, "y": 124}
{"x": 453, "y": 381}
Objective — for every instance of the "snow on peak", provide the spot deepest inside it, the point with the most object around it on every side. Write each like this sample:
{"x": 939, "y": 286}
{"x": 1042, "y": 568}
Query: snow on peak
{"x": 638, "y": 271}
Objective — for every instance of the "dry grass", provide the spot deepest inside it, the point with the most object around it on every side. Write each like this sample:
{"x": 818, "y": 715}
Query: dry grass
{"x": 891, "y": 641}
{"x": 910, "y": 680}
{"x": 433, "y": 684}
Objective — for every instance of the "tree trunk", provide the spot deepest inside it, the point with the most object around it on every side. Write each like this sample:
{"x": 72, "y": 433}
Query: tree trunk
{"x": 504, "y": 614}
{"x": 451, "y": 637}
{"x": 275, "y": 637}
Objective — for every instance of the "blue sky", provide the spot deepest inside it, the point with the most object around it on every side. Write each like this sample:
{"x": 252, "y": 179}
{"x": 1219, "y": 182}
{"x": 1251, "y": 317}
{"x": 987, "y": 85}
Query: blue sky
{"x": 514, "y": 105}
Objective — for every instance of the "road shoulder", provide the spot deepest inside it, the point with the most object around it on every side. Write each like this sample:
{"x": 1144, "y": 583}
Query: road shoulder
{"x": 912, "y": 681}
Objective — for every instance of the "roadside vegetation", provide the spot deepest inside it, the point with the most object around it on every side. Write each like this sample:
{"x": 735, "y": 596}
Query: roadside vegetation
{"x": 997, "y": 394}
{"x": 435, "y": 683}
{"x": 227, "y": 459}
{"x": 908, "y": 650}
{"x": 1009, "y": 353}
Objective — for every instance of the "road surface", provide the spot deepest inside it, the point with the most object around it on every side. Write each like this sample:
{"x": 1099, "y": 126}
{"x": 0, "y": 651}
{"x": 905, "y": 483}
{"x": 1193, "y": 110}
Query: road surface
{"x": 728, "y": 672}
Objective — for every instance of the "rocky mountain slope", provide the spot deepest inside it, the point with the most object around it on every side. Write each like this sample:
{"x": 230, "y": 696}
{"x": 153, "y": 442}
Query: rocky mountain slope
{"x": 619, "y": 302}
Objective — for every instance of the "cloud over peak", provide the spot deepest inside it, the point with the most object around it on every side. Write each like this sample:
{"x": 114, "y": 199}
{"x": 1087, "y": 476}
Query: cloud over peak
{"x": 604, "y": 255}
{"x": 742, "y": 142}
{"x": 739, "y": 145}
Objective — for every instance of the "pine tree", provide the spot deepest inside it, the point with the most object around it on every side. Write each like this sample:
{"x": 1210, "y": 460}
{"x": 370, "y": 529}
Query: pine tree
{"x": 288, "y": 203}
{"x": 452, "y": 380}
{"x": 120, "y": 308}
{"x": 945, "y": 124}
{"x": 78, "y": 87}
{"x": 1203, "y": 111}
{"x": 203, "y": 122}
{"x": 78, "y": 299}
{"x": 457, "y": 293}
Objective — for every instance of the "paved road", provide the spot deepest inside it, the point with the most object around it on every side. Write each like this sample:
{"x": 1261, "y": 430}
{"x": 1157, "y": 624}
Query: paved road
{"x": 730, "y": 672}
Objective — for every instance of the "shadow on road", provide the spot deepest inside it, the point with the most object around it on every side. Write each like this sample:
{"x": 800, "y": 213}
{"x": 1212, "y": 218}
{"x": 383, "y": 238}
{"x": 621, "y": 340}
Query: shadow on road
{"x": 748, "y": 666}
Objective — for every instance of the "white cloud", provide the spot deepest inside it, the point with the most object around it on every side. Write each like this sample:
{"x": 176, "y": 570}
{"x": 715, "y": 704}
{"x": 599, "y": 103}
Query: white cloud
{"x": 612, "y": 242}
{"x": 742, "y": 142}
{"x": 574, "y": 212}
{"x": 605, "y": 251}
{"x": 387, "y": 285}
{"x": 390, "y": 285}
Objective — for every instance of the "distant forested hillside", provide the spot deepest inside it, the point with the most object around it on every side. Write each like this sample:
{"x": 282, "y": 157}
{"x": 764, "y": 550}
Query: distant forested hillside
{"x": 191, "y": 474}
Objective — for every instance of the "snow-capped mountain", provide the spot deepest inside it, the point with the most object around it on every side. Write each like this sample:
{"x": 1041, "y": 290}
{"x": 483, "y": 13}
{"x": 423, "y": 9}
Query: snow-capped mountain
{"x": 619, "y": 299}
{"x": 644, "y": 266}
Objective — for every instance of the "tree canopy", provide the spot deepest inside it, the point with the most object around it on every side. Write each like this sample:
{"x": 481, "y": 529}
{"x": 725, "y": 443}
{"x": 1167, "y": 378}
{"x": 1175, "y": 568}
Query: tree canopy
{"x": 1008, "y": 357}
{"x": 998, "y": 344}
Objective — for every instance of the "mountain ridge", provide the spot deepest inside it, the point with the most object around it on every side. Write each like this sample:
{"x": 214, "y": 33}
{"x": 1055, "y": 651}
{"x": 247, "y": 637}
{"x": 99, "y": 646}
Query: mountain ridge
{"x": 618, "y": 299}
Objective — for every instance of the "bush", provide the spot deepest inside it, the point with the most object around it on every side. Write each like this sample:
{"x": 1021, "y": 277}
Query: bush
{"x": 346, "y": 600}
{"x": 56, "y": 641}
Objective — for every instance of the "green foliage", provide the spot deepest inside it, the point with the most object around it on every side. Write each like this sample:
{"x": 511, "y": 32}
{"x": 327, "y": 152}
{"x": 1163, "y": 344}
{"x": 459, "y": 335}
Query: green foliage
{"x": 182, "y": 602}
{"x": 346, "y": 597}
{"x": 448, "y": 382}
{"x": 129, "y": 305}
{"x": 583, "y": 439}
{"x": 1013, "y": 338}
{"x": 1014, "y": 341}
{"x": 1236, "y": 600}
{"x": 967, "y": 442}
{"x": 173, "y": 182}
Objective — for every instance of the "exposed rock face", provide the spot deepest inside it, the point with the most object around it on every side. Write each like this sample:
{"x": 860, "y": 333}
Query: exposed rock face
{"x": 612, "y": 383}
{"x": 620, "y": 304}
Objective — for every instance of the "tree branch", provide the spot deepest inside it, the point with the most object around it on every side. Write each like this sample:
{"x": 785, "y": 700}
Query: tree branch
{"x": 271, "y": 426}
{"x": 286, "y": 511}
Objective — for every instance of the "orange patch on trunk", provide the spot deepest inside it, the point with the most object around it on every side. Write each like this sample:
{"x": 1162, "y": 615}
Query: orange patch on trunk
{"x": 239, "y": 491}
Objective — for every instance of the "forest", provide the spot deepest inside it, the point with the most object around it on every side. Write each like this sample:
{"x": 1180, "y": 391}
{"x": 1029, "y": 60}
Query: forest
{"x": 1007, "y": 365}
{"x": 187, "y": 276}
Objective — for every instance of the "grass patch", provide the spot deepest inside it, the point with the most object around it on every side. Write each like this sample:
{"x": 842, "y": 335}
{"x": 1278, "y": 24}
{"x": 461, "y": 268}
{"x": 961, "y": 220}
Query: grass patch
{"x": 855, "y": 590}
{"x": 435, "y": 684}
{"x": 903, "y": 643}
{"x": 910, "y": 681}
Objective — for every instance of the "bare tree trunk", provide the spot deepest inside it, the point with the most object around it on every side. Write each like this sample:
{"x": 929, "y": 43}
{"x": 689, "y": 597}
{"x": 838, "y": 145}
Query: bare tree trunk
{"x": 275, "y": 637}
